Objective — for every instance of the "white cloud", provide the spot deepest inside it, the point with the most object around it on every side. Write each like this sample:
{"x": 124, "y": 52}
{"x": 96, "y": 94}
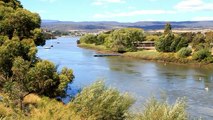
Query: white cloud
{"x": 132, "y": 13}
{"x": 203, "y": 18}
{"x": 102, "y": 2}
{"x": 194, "y": 5}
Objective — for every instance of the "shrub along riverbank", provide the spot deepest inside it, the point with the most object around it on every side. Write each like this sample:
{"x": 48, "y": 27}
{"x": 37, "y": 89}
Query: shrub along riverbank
{"x": 96, "y": 102}
{"x": 152, "y": 55}
{"x": 183, "y": 48}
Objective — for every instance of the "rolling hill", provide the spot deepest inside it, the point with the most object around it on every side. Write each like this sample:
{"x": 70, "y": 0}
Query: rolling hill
{"x": 108, "y": 25}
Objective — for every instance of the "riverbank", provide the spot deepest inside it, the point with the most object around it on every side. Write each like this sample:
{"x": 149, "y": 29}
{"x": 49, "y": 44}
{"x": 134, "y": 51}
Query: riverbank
{"x": 151, "y": 55}
{"x": 99, "y": 48}
{"x": 157, "y": 56}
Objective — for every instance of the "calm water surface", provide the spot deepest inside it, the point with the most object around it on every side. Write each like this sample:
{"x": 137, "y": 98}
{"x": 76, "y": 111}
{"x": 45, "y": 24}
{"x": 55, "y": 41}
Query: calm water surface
{"x": 142, "y": 79}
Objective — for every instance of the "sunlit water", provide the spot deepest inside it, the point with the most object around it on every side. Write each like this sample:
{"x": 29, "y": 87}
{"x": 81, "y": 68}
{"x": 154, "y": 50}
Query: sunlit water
{"x": 142, "y": 79}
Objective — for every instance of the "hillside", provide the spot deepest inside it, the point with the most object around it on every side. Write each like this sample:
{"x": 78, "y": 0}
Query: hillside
{"x": 108, "y": 25}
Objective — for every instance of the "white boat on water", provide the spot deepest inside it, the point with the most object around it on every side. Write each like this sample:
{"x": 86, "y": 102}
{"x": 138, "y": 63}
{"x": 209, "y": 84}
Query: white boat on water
{"x": 46, "y": 47}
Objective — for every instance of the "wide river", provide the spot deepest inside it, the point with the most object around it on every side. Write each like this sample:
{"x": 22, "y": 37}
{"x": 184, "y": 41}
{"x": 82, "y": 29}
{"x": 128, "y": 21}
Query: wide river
{"x": 141, "y": 79}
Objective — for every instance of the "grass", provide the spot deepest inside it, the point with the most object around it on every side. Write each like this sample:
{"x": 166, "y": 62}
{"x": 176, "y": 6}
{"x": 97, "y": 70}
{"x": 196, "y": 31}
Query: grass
{"x": 145, "y": 54}
{"x": 157, "y": 56}
{"x": 93, "y": 46}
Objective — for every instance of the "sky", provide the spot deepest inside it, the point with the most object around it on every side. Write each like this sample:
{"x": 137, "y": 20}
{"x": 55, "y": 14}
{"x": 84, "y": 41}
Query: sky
{"x": 121, "y": 10}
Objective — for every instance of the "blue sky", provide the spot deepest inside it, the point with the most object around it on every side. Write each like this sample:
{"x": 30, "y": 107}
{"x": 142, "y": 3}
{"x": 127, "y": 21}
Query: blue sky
{"x": 122, "y": 10}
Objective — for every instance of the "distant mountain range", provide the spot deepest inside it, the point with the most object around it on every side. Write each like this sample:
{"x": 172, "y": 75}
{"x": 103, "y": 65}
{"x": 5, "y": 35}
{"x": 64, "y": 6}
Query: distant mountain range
{"x": 108, "y": 25}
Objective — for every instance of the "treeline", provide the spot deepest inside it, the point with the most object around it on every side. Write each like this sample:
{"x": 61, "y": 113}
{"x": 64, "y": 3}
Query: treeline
{"x": 21, "y": 72}
{"x": 121, "y": 40}
{"x": 186, "y": 44}
{"x": 183, "y": 44}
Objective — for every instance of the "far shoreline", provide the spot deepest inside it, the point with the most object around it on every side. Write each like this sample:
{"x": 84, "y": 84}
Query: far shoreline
{"x": 176, "y": 61}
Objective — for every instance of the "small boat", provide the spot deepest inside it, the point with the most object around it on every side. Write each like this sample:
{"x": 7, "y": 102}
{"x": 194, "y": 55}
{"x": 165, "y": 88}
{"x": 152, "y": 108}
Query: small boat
{"x": 47, "y": 47}
{"x": 51, "y": 46}
{"x": 105, "y": 55}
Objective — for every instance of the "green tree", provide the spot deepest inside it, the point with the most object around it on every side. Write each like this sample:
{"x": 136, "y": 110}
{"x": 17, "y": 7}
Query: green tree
{"x": 164, "y": 43}
{"x": 209, "y": 37}
{"x": 184, "y": 52}
{"x": 21, "y": 72}
{"x": 198, "y": 39}
{"x": 88, "y": 39}
{"x": 13, "y": 48}
{"x": 65, "y": 77}
{"x": 183, "y": 43}
{"x": 3, "y": 39}
{"x": 19, "y": 22}
{"x": 124, "y": 40}
{"x": 18, "y": 86}
{"x": 11, "y": 3}
{"x": 168, "y": 28}
{"x": 43, "y": 78}
{"x": 38, "y": 36}
{"x": 201, "y": 54}
{"x": 188, "y": 36}
{"x": 101, "y": 38}
{"x": 175, "y": 43}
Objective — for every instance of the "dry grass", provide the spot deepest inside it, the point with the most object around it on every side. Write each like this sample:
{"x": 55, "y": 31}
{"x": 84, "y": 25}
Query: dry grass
{"x": 93, "y": 46}
{"x": 52, "y": 110}
{"x": 157, "y": 56}
{"x": 145, "y": 54}
{"x": 31, "y": 99}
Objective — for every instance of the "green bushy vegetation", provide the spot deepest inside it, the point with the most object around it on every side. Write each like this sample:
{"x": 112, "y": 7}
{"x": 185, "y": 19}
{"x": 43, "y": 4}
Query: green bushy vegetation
{"x": 121, "y": 40}
{"x": 201, "y": 55}
{"x": 21, "y": 71}
{"x": 95, "y": 102}
{"x": 101, "y": 103}
{"x": 184, "y": 52}
{"x": 172, "y": 46}
{"x": 170, "y": 43}
{"x": 161, "y": 110}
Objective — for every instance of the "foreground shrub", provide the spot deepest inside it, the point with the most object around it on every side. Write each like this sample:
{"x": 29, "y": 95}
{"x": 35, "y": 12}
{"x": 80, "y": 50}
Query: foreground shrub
{"x": 201, "y": 54}
{"x": 184, "y": 52}
{"x": 101, "y": 103}
{"x": 49, "y": 109}
{"x": 96, "y": 102}
{"x": 161, "y": 110}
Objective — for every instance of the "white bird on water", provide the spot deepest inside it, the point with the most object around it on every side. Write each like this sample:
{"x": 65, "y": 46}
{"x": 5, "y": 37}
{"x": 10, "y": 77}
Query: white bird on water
{"x": 207, "y": 89}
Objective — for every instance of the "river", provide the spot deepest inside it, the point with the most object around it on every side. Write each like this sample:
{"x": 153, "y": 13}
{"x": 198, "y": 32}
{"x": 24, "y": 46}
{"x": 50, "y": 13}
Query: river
{"x": 141, "y": 79}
